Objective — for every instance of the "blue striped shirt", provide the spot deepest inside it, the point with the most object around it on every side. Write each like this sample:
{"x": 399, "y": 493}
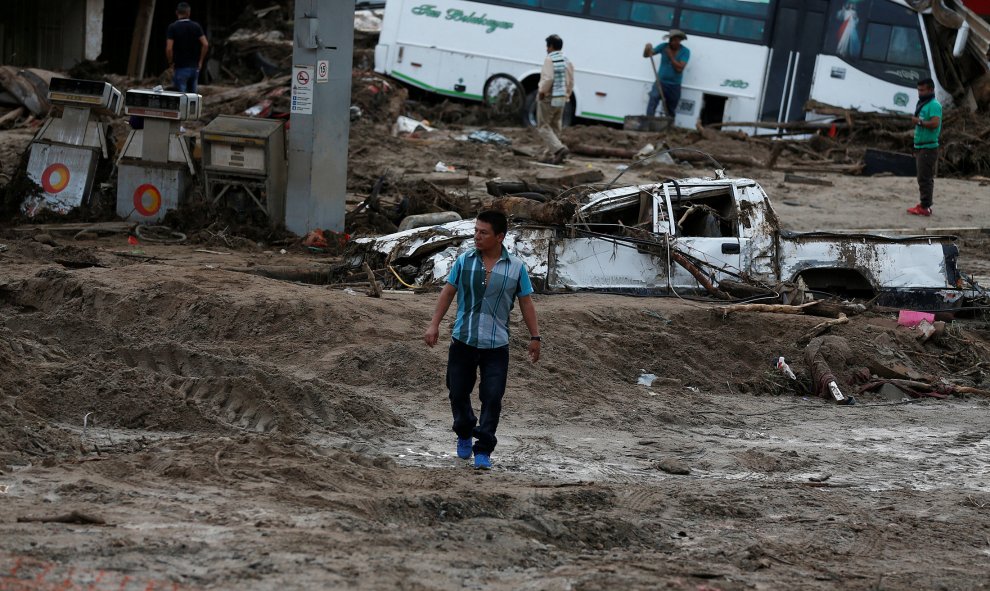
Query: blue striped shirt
{"x": 483, "y": 310}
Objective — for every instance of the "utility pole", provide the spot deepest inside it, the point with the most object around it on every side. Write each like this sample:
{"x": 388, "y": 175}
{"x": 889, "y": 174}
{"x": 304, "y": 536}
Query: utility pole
{"x": 321, "y": 100}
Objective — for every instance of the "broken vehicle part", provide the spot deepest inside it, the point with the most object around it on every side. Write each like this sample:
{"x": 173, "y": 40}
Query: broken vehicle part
{"x": 686, "y": 237}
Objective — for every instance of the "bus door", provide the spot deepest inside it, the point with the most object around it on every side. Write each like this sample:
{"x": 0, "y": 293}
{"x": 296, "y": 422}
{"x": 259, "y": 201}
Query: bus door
{"x": 798, "y": 33}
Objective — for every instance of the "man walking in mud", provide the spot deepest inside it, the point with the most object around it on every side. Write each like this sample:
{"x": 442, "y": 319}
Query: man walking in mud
{"x": 486, "y": 281}
{"x": 927, "y": 127}
{"x": 185, "y": 49}
{"x": 553, "y": 92}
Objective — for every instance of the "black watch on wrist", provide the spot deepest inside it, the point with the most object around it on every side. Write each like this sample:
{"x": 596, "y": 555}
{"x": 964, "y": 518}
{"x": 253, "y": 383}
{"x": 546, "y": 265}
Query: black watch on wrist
{"x": 536, "y": 338}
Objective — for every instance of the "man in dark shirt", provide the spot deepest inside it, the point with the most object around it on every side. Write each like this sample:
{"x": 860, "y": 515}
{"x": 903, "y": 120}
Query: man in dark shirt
{"x": 185, "y": 49}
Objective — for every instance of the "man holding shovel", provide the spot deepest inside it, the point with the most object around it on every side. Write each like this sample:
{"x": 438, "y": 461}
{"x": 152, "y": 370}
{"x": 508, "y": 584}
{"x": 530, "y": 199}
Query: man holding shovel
{"x": 673, "y": 59}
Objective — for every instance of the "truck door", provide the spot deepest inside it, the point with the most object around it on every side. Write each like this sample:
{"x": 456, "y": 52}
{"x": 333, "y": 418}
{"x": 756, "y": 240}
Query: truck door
{"x": 705, "y": 233}
{"x": 758, "y": 231}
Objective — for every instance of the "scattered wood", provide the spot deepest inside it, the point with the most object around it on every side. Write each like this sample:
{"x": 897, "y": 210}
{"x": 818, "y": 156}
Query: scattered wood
{"x": 775, "y": 151}
{"x": 442, "y": 179}
{"x": 376, "y": 290}
{"x": 833, "y": 309}
{"x": 820, "y": 168}
{"x": 12, "y": 116}
{"x": 73, "y": 517}
{"x": 771, "y": 308}
{"x": 722, "y": 158}
{"x": 570, "y": 177}
{"x": 700, "y": 277}
{"x": 739, "y": 289}
{"x": 823, "y": 327}
{"x": 109, "y": 227}
{"x": 502, "y": 187}
{"x": 602, "y": 151}
{"x": 554, "y": 212}
{"x": 243, "y": 91}
{"x": 210, "y": 251}
{"x": 806, "y": 180}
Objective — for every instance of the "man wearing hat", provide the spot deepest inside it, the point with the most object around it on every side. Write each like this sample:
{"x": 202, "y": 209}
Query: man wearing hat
{"x": 673, "y": 59}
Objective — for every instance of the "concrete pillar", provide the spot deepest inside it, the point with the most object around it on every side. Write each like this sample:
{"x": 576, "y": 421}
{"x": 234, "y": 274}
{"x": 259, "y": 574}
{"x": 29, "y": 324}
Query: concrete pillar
{"x": 321, "y": 100}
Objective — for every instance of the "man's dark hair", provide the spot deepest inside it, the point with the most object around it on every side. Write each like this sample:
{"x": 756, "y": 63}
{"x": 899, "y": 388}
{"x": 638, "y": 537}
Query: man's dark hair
{"x": 555, "y": 42}
{"x": 927, "y": 82}
{"x": 497, "y": 220}
{"x": 183, "y": 8}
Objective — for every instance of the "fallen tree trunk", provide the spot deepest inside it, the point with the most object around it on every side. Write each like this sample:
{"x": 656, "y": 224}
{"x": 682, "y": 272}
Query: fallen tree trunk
{"x": 589, "y": 150}
{"x": 554, "y": 212}
{"x": 11, "y": 117}
{"x": 824, "y": 326}
{"x": 699, "y": 276}
{"x": 772, "y": 308}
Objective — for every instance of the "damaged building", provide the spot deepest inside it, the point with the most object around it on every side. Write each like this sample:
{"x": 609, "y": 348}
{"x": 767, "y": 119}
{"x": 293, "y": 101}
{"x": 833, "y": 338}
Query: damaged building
{"x": 128, "y": 36}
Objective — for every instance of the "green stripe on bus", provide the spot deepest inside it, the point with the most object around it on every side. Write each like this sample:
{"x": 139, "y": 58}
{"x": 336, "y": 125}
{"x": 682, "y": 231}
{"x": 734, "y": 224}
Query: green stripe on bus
{"x": 600, "y": 116}
{"x": 425, "y": 86}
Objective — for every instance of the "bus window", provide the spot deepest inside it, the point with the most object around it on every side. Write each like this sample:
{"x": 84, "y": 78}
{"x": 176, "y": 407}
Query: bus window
{"x": 699, "y": 22}
{"x": 573, "y": 6}
{"x": 873, "y": 35}
{"x": 612, "y": 9}
{"x": 906, "y": 47}
{"x": 750, "y": 7}
{"x": 877, "y": 42}
{"x": 720, "y": 22}
{"x": 745, "y": 28}
{"x": 527, "y": 3}
{"x": 652, "y": 14}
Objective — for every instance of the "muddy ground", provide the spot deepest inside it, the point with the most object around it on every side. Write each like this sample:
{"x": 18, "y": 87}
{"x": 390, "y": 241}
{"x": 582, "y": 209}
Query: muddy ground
{"x": 202, "y": 427}
{"x": 236, "y": 432}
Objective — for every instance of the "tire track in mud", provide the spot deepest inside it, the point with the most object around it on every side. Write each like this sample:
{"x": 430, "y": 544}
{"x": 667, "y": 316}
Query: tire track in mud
{"x": 167, "y": 384}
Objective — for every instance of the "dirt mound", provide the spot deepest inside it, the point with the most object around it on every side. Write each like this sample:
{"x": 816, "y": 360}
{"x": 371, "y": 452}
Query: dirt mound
{"x": 175, "y": 355}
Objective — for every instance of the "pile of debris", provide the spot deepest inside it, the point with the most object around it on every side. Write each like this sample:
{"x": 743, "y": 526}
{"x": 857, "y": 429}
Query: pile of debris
{"x": 23, "y": 95}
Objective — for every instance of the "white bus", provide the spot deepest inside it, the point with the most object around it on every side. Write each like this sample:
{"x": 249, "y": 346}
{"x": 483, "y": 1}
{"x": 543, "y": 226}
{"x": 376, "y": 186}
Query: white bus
{"x": 751, "y": 60}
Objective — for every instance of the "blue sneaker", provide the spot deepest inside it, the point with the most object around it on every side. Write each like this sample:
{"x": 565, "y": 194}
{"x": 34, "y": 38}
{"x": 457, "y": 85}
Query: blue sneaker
{"x": 464, "y": 448}
{"x": 482, "y": 462}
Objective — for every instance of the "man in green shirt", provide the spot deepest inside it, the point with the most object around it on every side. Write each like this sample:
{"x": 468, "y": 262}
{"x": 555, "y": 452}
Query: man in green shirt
{"x": 927, "y": 127}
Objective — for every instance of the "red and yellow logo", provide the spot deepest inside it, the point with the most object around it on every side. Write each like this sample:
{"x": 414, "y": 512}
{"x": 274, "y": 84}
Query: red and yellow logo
{"x": 147, "y": 200}
{"x": 55, "y": 178}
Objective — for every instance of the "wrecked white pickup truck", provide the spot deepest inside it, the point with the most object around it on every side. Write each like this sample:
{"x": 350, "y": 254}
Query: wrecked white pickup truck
{"x": 689, "y": 236}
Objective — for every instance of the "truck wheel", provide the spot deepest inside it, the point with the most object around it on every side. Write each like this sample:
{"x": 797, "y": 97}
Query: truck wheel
{"x": 529, "y": 111}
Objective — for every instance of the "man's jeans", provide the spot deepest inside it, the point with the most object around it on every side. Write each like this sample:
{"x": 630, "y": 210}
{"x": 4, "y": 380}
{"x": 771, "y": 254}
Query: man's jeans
{"x": 185, "y": 79}
{"x": 671, "y": 95}
{"x": 463, "y": 365}
{"x": 927, "y": 160}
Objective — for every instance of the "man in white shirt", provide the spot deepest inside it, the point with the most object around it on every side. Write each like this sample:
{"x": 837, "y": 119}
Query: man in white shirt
{"x": 554, "y": 92}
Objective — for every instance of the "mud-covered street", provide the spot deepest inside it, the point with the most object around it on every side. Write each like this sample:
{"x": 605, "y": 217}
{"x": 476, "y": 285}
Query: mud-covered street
{"x": 202, "y": 427}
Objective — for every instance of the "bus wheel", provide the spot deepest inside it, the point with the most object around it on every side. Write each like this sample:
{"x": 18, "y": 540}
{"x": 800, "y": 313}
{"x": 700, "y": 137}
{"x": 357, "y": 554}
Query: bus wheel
{"x": 529, "y": 112}
{"x": 504, "y": 97}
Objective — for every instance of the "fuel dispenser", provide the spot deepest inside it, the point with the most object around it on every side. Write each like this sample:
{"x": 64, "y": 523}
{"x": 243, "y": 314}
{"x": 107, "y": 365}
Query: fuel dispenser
{"x": 244, "y": 164}
{"x": 155, "y": 167}
{"x": 67, "y": 149}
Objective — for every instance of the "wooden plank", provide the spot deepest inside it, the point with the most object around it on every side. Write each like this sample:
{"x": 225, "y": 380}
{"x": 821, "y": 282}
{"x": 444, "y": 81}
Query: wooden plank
{"x": 570, "y": 177}
{"x": 142, "y": 35}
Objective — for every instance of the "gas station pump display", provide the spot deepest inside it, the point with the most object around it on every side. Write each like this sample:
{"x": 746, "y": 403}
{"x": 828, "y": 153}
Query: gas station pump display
{"x": 67, "y": 149}
{"x": 155, "y": 166}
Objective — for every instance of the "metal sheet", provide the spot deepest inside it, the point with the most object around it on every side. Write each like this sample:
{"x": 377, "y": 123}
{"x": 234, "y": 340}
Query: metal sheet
{"x": 65, "y": 174}
{"x": 146, "y": 193}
